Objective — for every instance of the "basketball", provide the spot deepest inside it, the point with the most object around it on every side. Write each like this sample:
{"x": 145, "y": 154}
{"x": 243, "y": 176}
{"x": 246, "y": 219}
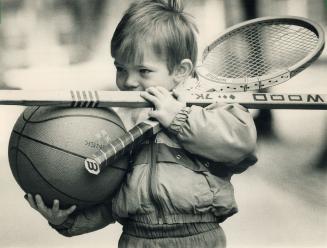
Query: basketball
{"x": 47, "y": 149}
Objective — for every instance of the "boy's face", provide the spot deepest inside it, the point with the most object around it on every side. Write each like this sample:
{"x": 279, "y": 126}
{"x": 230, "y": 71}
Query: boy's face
{"x": 152, "y": 71}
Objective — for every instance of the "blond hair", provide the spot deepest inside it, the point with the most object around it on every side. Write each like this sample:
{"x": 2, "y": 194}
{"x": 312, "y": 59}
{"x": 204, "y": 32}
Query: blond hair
{"x": 156, "y": 24}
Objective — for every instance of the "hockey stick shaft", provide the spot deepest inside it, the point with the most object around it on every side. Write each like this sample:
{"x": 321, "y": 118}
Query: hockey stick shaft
{"x": 133, "y": 99}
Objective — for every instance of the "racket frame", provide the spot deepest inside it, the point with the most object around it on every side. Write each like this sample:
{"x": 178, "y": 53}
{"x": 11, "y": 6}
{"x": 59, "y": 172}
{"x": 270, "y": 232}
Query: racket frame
{"x": 257, "y": 83}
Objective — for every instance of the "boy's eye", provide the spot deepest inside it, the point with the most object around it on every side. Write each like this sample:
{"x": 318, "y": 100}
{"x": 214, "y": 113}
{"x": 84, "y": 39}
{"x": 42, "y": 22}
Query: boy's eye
{"x": 144, "y": 71}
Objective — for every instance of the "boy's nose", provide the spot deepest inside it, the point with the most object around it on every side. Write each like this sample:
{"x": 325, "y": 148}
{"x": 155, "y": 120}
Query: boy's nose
{"x": 131, "y": 83}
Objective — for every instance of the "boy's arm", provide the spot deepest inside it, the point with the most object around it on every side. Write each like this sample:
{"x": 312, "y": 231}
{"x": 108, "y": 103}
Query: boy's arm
{"x": 220, "y": 132}
{"x": 86, "y": 221}
{"x": 224, "y": 133}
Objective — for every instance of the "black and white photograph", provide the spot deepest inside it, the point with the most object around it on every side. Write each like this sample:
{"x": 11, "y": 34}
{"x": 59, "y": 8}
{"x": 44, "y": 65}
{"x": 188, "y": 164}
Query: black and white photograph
{"x": 163, "y": 123}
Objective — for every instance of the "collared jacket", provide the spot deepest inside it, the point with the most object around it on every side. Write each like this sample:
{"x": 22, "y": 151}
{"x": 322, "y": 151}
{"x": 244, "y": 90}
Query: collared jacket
{"x": 183, "y": 174}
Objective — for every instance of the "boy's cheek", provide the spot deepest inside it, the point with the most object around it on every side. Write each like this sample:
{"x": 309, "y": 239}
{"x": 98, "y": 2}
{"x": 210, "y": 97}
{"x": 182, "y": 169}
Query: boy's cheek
{"x": 145, "y": 84}
{"x": 120, "y": 83}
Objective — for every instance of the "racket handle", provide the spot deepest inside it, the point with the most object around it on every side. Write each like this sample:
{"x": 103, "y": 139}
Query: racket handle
{"x": 120, "y": 146}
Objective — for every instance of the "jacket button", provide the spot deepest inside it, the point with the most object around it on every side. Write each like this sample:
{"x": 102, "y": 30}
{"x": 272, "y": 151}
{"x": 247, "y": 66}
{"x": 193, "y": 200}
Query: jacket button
{"x": 206, "y": 164}
{"x": 178, "y": 156}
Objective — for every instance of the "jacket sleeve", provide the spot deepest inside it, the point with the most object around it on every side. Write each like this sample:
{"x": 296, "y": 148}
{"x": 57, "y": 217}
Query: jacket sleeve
{"x": 86, "y": 221}
{"x": 223, "y": 133}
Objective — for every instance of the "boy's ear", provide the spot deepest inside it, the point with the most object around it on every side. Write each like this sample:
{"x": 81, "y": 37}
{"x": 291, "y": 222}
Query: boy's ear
{"x": 183, "y": 70}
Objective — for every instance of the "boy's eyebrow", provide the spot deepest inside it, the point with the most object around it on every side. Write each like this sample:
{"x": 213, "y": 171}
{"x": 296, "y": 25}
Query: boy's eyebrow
{"x": 139, "y": 66}
{"x": 146, "y": 67}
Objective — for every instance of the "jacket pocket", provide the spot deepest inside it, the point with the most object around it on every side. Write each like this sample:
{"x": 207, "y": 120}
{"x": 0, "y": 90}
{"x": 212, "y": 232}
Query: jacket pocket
{"x": 179, "y": 156}
{"x": 182, "y": 189}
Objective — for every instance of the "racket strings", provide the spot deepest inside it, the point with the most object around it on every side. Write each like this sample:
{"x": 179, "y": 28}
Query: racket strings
{"x": 258, "y": 50}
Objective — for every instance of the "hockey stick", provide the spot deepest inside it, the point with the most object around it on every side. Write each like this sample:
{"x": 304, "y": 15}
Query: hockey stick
{"x": 93, "y": 99}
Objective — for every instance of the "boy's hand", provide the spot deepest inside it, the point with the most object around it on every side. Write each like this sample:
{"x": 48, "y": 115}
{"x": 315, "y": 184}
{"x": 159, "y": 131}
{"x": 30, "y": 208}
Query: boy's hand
{"x": 166, "y": 106}
{"x": 54, "y": 215}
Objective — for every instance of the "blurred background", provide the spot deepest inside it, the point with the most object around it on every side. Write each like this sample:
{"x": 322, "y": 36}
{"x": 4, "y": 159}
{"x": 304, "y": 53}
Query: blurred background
{"x": 65, "y": 44}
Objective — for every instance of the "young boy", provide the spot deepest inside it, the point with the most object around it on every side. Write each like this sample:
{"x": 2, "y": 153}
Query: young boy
{"x": 178, "y": 190}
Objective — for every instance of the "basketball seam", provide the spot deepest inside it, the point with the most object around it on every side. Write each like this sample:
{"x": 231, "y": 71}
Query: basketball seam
{"x": 60, "y": 149}
{"x": 52, "y": 186}
{"x": 19, "y": 138}
{"x": 64, "y": 116}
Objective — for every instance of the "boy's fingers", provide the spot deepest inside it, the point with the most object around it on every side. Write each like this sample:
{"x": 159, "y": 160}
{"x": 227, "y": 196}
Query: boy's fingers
{"x": 70, "y": 210}
{"x": 31, "y": 201}
{"x": 154, "y": 91}
{"x": 163, "y": 91}
{"x": 55, "y": 206}
{"x": 40, "y": 203}
{"x": 150, "y": 98}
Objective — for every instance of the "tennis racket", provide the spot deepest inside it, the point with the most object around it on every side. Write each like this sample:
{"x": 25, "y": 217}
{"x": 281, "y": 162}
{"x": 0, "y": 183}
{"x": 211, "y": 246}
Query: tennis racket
{"x": 253, "y": 55}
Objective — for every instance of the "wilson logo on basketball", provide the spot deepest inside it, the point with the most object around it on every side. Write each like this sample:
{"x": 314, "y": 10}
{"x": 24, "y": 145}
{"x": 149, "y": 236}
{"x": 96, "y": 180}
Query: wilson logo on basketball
{"x": 92, "y": 166}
